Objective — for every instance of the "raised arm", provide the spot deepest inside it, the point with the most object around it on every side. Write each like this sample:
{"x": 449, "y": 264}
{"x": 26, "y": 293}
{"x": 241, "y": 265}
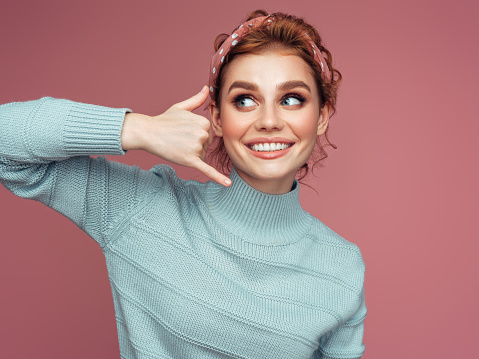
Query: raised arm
{"x": 45, "y": 148}
{"x": 44, "y": 155}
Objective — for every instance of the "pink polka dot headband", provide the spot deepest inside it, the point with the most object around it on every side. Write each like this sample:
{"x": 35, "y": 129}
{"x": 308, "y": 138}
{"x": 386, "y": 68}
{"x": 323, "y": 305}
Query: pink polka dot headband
{"x": 219, "y": 57}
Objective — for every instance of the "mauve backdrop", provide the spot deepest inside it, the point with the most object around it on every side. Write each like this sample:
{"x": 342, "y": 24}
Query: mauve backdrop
{"x": 402, "y": 184}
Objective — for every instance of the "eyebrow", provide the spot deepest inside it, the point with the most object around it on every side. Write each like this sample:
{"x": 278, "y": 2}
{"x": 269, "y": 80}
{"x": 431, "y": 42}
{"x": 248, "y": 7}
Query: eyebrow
{"x": 284, "y": 86}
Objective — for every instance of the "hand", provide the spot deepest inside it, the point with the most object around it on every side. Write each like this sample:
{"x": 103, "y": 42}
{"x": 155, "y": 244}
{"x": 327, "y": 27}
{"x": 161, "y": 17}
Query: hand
{"x": 177, "y": 135}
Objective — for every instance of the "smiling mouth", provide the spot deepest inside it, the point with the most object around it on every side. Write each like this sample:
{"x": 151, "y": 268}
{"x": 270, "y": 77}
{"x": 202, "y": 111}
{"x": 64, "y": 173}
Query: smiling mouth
{"x": 269, "y": 147}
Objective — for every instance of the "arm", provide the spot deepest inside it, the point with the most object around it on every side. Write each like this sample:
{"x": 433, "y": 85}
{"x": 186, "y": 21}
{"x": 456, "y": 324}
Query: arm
{"x": 346, "y": 341}
{"x": 44, "y": 155}
{"x": 45, "y": 148}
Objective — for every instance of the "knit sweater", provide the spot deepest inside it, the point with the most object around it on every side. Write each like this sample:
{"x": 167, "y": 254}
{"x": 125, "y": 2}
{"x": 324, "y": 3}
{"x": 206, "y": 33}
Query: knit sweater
{"x": 197, "y": 270}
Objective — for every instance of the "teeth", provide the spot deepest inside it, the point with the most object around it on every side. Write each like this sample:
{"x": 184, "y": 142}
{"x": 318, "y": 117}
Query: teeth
{"x": 268, "y": 147}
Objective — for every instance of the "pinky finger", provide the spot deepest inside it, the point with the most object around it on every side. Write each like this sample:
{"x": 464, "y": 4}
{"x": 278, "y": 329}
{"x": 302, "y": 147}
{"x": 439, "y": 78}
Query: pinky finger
{"x": 212, "y": 173}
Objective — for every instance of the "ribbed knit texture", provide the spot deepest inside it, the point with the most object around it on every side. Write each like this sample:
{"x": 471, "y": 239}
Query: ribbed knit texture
{"x": 197, "y": 270}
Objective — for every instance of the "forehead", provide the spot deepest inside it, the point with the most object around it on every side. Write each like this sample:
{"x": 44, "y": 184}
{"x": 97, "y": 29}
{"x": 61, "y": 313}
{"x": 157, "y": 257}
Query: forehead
{"x": 267, "y": 69}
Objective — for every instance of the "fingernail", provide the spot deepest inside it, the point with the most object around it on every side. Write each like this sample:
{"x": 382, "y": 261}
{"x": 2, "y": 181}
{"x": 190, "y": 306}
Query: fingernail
{"x": 227, "y": 181}
{"x": 203, "y": 89}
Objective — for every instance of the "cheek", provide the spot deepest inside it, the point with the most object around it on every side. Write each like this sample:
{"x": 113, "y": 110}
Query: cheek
{"x": 233, "y": 128}
{"x": 306, "y": 129}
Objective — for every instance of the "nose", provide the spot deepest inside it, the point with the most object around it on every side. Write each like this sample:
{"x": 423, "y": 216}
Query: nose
{"x": 269, "y": 120}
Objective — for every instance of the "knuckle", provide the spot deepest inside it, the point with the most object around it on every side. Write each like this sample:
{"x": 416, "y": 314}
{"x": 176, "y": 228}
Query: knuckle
{"x": 207, "y": 171}
{"x": 189, "y": 162}
{"x": 204, "y": 122}
{"x": 197, "y": 147}
{"x": 204, "y": 136}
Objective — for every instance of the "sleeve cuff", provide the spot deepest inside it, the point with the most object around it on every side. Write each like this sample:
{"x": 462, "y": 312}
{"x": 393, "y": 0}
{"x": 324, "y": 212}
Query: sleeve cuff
{"x": 92, "y": 129}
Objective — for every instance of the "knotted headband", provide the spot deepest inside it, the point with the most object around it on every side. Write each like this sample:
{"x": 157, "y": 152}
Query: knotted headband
{"x": 219, "y": 57}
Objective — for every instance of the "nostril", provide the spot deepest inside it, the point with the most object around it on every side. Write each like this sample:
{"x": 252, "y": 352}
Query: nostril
{"x": 270, "y": 124}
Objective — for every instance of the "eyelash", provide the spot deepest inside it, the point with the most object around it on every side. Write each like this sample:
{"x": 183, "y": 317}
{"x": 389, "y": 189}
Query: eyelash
{"x": 297, "y": 96}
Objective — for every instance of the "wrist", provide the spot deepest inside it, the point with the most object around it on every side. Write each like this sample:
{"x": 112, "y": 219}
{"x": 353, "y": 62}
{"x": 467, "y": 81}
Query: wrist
{"x": 131, "y": 132}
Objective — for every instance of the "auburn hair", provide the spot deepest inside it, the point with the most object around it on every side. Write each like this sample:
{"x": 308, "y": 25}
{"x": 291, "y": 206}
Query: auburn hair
{"x": 285, "y": 32}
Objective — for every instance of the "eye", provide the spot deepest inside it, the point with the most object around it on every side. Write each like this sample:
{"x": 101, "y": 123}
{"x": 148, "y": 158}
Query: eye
{"x": 243, "y": 101}
{"x": 292, "y": 99}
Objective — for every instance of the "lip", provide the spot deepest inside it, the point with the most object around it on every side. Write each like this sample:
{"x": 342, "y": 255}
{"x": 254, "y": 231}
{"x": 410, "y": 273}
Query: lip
{"x": 269, "y": 155}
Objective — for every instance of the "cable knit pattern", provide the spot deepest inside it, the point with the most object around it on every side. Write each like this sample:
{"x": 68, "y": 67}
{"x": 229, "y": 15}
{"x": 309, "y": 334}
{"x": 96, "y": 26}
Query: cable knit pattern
{"x": 197, "y": 270}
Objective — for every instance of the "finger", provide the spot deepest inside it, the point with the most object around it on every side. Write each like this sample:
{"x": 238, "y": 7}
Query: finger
{"x": 212, "y": 173}
{"x": 195, "y": 101}
{"x": 211, "y": 137}
{"x": 208, "y": 141}
{"x": 203, "y": 155}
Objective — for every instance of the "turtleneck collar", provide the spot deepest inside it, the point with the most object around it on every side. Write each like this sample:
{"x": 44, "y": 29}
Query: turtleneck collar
{"x": 256, "y": 216}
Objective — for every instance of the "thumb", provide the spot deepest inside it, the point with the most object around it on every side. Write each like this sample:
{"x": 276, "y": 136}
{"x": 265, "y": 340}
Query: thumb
{"x": 195, "y": 101}
{"x": 212, "y": 173}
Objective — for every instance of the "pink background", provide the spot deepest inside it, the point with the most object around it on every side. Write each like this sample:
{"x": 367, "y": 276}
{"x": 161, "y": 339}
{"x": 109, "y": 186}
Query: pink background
{"x": 402, "y": 184}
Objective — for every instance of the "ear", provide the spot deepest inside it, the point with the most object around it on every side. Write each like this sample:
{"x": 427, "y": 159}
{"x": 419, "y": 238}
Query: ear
{"x": 324, "y": 119}
{"x": 215, "y": 119}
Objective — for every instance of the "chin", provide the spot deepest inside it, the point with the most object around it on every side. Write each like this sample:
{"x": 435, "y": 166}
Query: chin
{"x": 266, "y": 173}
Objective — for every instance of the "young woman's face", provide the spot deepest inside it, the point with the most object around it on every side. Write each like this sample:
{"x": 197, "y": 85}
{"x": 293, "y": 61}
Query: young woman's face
{"x": 269, "y": 98}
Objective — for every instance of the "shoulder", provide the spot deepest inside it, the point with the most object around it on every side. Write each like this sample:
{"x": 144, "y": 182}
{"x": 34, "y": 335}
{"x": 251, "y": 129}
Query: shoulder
{"x": 169, "y": 182}
{"x": 324, "y": 235}
{"x": 340, "y": 255}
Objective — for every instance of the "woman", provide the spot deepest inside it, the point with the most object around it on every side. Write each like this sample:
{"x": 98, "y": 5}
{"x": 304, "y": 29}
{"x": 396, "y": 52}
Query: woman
{"x": 230, "y": 268}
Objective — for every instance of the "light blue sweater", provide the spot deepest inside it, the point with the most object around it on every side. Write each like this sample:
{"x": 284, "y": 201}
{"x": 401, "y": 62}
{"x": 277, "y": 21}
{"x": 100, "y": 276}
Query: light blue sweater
{"x": 197, "y": 270}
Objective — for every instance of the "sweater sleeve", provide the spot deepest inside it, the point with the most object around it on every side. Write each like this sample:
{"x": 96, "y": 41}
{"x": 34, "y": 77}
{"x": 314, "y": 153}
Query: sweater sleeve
{"x": 346, "y": 341}
{"x": 45, "y": 148}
